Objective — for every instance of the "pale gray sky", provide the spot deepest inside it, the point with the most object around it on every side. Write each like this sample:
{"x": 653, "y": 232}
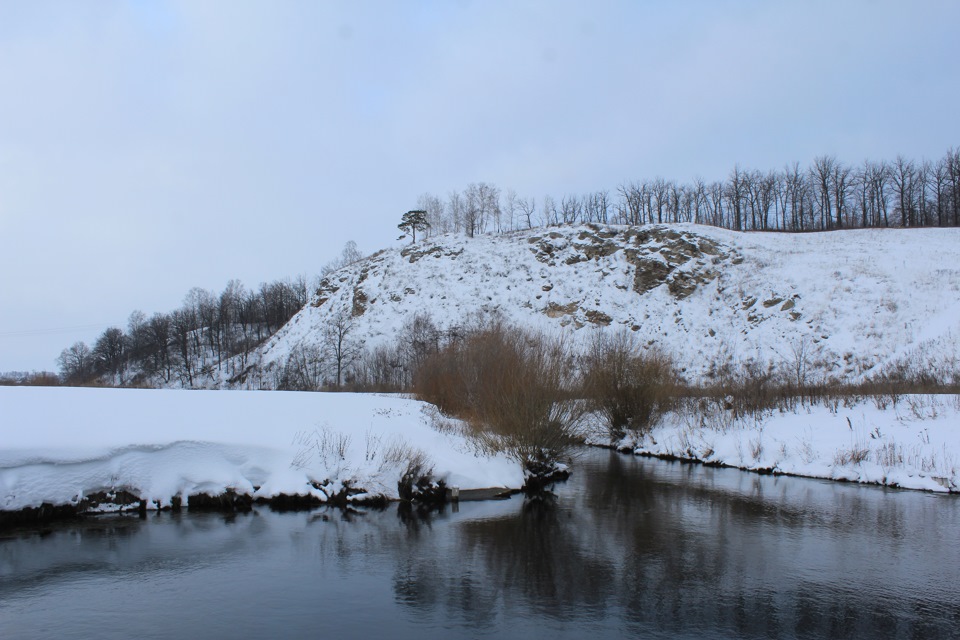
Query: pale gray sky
{"x": 149, "y": 147}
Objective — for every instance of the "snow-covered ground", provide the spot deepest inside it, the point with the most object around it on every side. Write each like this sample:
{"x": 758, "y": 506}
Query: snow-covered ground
{"x": 58, "y": 445}
{"x": 913, "y": 443}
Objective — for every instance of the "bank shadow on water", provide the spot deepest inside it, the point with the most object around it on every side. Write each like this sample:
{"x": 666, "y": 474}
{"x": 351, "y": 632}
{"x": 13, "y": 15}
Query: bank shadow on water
{"x": 627, "y": 545}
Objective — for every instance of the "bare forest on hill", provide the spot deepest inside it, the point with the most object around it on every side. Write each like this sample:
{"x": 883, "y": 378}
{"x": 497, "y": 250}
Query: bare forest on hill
{"x": 829, "y": 194}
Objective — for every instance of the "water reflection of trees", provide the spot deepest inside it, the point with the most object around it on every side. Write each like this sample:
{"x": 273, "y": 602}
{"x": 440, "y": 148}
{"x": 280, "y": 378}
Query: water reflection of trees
{"x": 123, "y": 543}
{"x": 694, "y": 550}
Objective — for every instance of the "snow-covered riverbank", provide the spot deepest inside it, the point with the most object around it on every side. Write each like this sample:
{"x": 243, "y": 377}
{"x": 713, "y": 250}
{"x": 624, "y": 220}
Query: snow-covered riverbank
{"x": 913, "y": 442}
{"x": 61, "y": 445}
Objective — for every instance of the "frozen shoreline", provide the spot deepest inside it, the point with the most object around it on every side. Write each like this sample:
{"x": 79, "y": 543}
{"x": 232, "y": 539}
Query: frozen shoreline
{"x": 70, "y": 448}
{"x": 911, "y": 444}
{"x": 59, "y": 446}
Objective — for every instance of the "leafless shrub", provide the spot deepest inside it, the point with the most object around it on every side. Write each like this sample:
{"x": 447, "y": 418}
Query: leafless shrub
{"x": 32, "y": 379}
{"x": 630, "y": 387}
{"x": 756, "y": 446}
{"x": 399, "y": 452}
{"x": 374, "y": 443}
{"x": 441, "y": 423}
{"x": 923, "y": 406}
{"x": 807, "y": 452}
{"x": 748, "y": 389}
{"x": 889, "y": 456}
{"x": 513, "y": 387}
{"x": 854, "y": 455}
{"x": 416, "y": 482}
{"x": 302, "y": 370}
{"x": 329, "y": 445}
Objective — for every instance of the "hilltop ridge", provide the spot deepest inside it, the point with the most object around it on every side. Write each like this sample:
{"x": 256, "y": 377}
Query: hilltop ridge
{"x": 845, "y": 304}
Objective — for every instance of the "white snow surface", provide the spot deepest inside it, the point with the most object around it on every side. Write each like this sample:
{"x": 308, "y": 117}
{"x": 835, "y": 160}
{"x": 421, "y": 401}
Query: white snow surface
{"x": 58, "y": 445}
{"x": 913, "y": 443}
{"x": 853, "y": 302}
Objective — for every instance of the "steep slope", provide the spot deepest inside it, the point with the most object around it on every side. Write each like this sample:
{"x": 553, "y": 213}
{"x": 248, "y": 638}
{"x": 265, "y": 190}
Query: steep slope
{"x": 846, "y": 302}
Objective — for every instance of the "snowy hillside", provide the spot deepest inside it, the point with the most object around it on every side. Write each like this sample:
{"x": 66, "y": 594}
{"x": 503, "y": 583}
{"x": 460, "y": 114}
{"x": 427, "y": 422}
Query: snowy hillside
{"x": 847, "y": 303}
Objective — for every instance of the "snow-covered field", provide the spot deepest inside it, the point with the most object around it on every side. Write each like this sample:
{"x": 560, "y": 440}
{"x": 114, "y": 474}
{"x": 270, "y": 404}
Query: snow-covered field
{"x": 913, "y": 443}
{"x": 58, "y": 445}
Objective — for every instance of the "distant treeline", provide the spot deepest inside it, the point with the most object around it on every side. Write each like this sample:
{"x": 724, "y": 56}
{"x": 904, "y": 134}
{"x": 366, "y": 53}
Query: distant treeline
{"x": 29, "y": 379}
{"x": 201, "y": 336}
{"x": 829, "y": 194}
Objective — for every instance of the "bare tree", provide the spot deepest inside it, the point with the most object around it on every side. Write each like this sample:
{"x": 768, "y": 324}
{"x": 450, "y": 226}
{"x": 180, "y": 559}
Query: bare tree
{"x": 902, "y": 176}
{"x": 435, "y": 213}
{"x": 455, "y": 211}
{"x": 303, "y": 370}
{"x": 481, "y": 204}
{"x": 528, "y": 207}
{"x": 571, "y": 209}
{"x": 953, "y": 178}
{"x": 419, "y": 338}
{"x": 699, "y": 201}
{"x": 821, "y": 174}
{"x": 138, "y": 337}
{"x": 736, "y": 193}
{"x": 600, "y": 204}
{"x": 348, "y": 256}
{"x": 76, "y": 363}
{"x": 920, "y": 193}
{"x": 877, "y": 177}
{"x": 339, "y": 345}
{"x": 109, "y": 354}
{"x": 675, "y": 203}
{"x": 795, "y": 184}
{"x": 632, "y": 199}
{"x": 661, "y": 191}
{"x": 182, "y": 326}
{"x": 717, "y": 194}
{"x": 549, "y": 209}
{"x": 511, "y": 203}
{"x": 160, "y": 331}
{"x": 939, "y": 178}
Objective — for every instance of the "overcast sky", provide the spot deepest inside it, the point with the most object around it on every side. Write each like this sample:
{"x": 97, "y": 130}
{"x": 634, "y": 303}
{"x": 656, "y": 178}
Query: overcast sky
{"x": 150, "y": 147}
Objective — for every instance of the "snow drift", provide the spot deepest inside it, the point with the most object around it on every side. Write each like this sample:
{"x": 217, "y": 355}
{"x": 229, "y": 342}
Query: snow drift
{"x": 59, "y": 445}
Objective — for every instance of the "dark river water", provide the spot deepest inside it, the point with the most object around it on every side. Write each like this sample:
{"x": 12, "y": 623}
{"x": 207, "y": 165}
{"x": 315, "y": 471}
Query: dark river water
{"x": 630, "y": 547}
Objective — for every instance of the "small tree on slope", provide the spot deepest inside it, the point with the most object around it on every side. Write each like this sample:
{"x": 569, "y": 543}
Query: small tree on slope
{"x": 414, "y": 221}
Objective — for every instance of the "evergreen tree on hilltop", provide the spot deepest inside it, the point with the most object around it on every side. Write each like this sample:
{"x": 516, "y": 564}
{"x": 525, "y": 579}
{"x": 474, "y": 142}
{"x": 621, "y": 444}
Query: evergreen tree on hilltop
{"x": 413, "y": 221}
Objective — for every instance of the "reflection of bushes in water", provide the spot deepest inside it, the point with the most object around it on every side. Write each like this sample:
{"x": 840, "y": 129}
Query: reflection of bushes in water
{"x": 538, "y": 556}
{"x": 514, "y": 387}
{"x": 415, "y": 515}
{"x": 656, "y": 552}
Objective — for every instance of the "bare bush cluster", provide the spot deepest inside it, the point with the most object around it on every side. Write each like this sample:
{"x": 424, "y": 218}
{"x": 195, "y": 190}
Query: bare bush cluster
{"x": 516, "y": 388}
{"x": 628, "y": 386}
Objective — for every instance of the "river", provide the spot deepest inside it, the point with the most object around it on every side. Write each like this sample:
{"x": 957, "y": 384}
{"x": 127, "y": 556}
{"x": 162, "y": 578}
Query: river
{"x": 628, "y": 547}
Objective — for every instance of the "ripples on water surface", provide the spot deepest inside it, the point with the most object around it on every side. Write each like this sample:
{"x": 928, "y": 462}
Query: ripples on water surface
{"x": 630, "y": 547}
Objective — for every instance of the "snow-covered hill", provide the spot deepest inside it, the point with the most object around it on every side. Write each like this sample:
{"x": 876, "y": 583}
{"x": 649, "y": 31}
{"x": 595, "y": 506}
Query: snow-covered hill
{"x": 848, "y": 303}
